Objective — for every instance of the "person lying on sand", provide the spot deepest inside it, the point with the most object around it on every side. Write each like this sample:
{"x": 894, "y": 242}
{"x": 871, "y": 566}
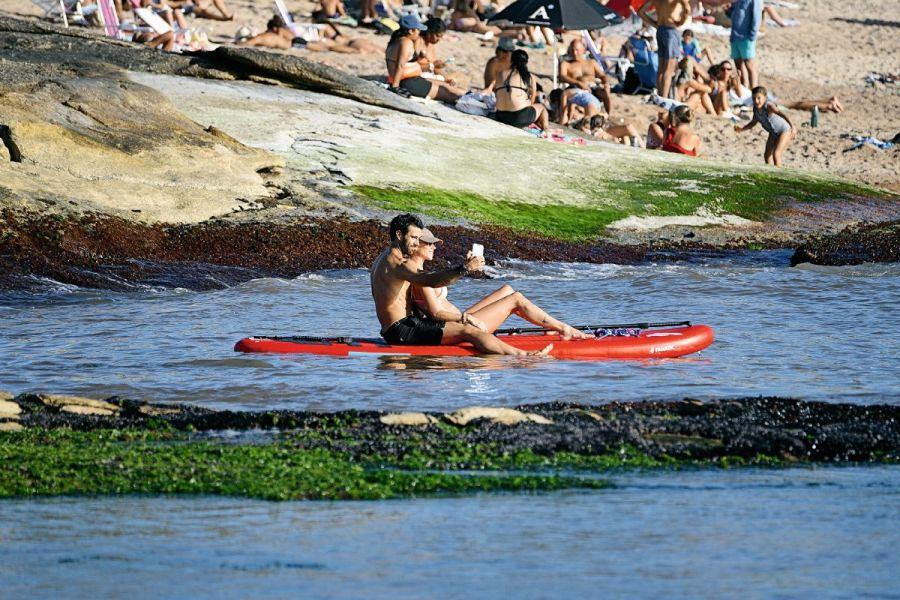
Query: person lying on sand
{"x": 391, "y": 276}
{"x": 489, "y": 313}
{"x": 203, "y": 9}
{"x": 404, "y": 69}
{"x": 516, "y": 92}
{"x": 279, "y": 35}
{"x": 465, "y": 18}
{"x": 776, "y": 123}
{"x": 675, "y": 133}
{"x": 585, "y": 74}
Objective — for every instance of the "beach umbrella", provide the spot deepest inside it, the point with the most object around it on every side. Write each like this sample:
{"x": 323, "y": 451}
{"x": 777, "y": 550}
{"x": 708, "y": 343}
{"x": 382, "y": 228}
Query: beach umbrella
{"x": 558, "y": 15}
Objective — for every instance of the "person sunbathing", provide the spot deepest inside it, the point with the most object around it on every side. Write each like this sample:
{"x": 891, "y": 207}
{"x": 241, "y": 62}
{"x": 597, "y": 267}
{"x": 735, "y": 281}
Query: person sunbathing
{"x": 626, "y": 133}
{"x": 279, "y": 36}
{"x": 330, "y": 10}
{"x": 678, "y": 135}
{"x": 426, "y": 48}
{"x": 391, "y": 275}
{"x": 489, "y": 313}
{"x": 465, "y": 18}
{"x": 586, "y": 75}
{"x": 516, "y": 92}
{"x": 500, "y": 61}
{"x": 202, "y": 9}
{"x": 404, "y": 69}
{"x": 827, "y": 105}
{"x": 691, "y": 89}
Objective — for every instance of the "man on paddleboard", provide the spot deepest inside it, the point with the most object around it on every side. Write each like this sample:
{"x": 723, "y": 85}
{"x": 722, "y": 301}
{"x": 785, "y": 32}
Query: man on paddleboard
{"x": 391, "y": 275}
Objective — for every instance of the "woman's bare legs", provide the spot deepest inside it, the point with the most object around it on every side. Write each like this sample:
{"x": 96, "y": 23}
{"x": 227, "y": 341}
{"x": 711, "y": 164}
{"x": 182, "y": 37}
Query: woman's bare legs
{"x": 445, "y": 93}
{"x": 831, "y": 104}
{"x": 202, "y": 10}
{"x": 655, "y": 135}
{"x": 497, "y": 294}
{"x": 486, "y": 343}
{"x": 781, "y": 143}
{"x": 494, "y": 314}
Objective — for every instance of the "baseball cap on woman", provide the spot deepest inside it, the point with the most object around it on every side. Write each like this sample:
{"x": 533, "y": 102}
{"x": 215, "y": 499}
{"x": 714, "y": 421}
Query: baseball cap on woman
{"x": 411, "y": 21}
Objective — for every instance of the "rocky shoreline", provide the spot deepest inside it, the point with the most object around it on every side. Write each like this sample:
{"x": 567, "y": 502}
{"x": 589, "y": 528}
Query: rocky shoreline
{"x": 73, "y": 445}
{"x": 99, "y": 251}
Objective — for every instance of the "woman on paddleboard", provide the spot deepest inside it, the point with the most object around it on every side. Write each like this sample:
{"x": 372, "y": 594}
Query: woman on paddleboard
{"x": 488, "y": 313}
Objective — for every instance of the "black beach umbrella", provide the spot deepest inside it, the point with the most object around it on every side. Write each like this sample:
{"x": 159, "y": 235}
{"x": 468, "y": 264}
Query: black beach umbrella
{"x": 557, "y": 15}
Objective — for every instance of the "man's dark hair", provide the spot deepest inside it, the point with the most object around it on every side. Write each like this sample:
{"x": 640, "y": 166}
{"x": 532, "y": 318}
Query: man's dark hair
{"x": 435, "y": 26}
{"x": 402, "y": 222}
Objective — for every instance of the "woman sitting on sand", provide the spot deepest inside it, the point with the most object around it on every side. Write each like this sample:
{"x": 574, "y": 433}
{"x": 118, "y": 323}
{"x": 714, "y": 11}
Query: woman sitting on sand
{"x": 691, "y": 88}
{"x": 404, "y": 69}
{"x": 678, "y": 136}
{"x": 516, "y": 92}
{"x": 488, "y": 313}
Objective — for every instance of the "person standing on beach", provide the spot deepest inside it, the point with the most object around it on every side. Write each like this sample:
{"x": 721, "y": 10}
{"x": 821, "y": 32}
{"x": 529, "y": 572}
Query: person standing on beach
{"x": 746, "y": 16}
{"x": 781, "y": 130}
{"x": 670, "y": 14}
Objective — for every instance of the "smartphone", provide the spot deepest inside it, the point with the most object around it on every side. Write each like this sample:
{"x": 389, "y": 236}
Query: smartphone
{"x": 477, "y": 250}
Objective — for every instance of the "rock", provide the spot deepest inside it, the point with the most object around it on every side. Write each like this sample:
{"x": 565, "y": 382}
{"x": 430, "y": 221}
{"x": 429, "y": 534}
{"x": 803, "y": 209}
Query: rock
{"x": 314, "y": 76}
{"x": 4, "y": 395}
{"x": 9, "y": 409}
{"x": 71, "y": 403}
{"x": 7, "y": 426}
{"x": 152, "y": 410}
{"x": 408, "y": 418}
{"x": 109, "y": 144}
{"x": 852, "y": 246}
{"x": 77, "y": 409}
{"x": 505, "y": 416}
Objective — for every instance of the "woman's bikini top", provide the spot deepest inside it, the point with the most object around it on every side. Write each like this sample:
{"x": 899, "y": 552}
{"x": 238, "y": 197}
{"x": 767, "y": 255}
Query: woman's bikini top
{"x": 509, "y": 87}
{"x": 412, "y": 68}
{"x": 669, "y": 144}
{"x": 418, "y": 297}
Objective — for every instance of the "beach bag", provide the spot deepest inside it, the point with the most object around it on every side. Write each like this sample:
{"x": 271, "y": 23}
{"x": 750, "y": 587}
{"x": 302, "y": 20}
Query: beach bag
{"x": 476, "y": 103}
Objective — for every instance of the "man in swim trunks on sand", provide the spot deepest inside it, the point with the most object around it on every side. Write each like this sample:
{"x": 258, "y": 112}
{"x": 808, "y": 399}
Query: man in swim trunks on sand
{"x": 391, "y": 276}
{"x": 670, "y": 14}
{"x": 585, "y": 73}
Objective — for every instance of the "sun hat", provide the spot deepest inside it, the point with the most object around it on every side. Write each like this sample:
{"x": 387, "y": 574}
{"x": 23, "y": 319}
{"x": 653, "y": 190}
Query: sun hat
{"x": 429, "y": 238}
{"x": 410, "y": 21}
{"x": 506, "y": 44}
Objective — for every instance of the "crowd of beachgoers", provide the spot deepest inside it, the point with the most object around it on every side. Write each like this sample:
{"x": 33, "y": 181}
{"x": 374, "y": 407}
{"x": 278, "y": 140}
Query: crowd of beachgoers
{"x": 646, "y": 83}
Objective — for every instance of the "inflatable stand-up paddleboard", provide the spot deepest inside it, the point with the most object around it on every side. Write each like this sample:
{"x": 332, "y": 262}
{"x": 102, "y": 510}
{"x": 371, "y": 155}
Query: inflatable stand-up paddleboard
{"x": 647, "y": 340}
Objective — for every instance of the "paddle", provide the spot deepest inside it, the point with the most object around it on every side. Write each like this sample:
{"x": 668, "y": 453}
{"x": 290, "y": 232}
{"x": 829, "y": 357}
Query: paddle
{"x": 515, "y": 330}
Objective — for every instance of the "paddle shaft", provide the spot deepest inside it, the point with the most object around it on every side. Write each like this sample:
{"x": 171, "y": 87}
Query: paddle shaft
{"x": 514, "y": 330}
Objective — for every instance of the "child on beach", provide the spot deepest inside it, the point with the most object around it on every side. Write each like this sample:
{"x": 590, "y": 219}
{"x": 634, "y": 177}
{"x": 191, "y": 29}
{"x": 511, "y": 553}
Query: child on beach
{"x": 781, "y": 130}
{"x": 690, "y": 46}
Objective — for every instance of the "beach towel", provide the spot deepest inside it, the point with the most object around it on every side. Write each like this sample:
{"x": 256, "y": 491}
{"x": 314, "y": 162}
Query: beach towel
{"x": 476, "y": 103}
{"x": 861, "y": 141}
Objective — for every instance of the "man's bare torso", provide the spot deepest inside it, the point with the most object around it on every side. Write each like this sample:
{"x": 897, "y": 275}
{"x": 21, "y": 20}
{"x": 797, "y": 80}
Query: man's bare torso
{"x": 669, "y": 13}
{"x": 391, "y": 294}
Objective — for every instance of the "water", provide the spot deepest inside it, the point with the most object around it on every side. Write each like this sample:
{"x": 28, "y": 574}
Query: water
{"x": 823, "y": 333}
{"x": 829, "y": 532}
{"x": 813, "y": 332}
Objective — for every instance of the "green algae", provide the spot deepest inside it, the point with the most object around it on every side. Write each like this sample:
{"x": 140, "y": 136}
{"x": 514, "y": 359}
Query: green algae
{"x": 64, "y": 462}
{"x": 753, "y": 195}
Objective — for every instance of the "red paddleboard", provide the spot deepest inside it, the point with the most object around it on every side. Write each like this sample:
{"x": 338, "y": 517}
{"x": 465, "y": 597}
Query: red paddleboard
{"x": 624, "y": 7}
{"x": 650, "y": 343}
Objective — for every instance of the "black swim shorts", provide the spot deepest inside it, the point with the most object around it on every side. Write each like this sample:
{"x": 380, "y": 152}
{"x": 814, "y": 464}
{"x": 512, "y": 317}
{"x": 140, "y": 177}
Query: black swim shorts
{"x": 417, "y": 86}
{"x": 517, "y": 118}
{"x": 415, "y": 331}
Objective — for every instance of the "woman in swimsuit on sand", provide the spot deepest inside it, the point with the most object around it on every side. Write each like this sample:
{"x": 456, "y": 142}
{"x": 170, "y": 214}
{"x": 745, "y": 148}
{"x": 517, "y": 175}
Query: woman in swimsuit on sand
{"x": 488, "y": 313}
{"x": 404, "y": 69}
{"x": 516, "y": 92}
{"x": 678, "y": 136}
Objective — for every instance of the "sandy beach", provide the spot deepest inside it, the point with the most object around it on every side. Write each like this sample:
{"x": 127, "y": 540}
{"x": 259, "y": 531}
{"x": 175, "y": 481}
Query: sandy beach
{"x": 829, "y": 52}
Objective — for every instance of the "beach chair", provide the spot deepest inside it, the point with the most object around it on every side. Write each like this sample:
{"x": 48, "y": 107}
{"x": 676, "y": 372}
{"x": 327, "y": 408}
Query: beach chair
{"x": 55, "y": 8}
{"x": 621, "y": 64}
{"x": 646, "y": 64}
{"x": 110, "y": 19}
